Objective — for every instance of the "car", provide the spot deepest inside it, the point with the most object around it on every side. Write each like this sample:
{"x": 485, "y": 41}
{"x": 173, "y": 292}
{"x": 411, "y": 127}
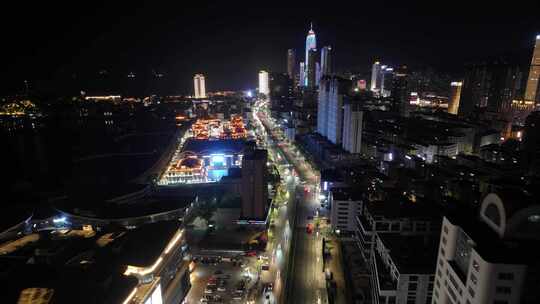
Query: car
{"x": 219, "y": 271}
{"x": 222, "y": 287}
{"x": 209, "y": 290}
{"x": 251, "y": 253}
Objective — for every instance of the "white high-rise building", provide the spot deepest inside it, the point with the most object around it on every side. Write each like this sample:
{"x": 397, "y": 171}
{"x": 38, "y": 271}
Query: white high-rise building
{"x": 375, "y": 76}
{"x": 334, "y": 121}
{"x": 200, "y": 86}
{"x": 352, "y": 127}
{"x": 264, "y": 87}
{"x": 493, "y": 257}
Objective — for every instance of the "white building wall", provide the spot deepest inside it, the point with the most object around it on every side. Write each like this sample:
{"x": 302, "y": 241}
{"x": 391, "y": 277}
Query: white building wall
{"x": 352, "y": 129}
{"x": 343, "y": 214}
{"x": 335, "y": 114}
{"x": 264, "y": 87}
{"x": 484, "y": 282}
{"x": 322, "y": 110}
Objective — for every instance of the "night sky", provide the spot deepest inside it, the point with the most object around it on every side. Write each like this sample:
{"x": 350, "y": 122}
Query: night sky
{"x": 47, "y": 42}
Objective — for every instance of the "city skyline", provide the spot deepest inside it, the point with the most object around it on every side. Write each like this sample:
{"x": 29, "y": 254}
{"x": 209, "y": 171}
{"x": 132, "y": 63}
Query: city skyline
{"x": 92, "y": 48}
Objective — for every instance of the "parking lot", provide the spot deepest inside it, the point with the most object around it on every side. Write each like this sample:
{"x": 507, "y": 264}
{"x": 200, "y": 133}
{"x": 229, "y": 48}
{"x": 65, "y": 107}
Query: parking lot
{"x": 225, "y": 281}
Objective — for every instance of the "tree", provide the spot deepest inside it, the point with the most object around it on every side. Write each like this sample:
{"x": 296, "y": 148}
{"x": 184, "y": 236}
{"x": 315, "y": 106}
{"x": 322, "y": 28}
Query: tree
{"x": 205, "y": 210}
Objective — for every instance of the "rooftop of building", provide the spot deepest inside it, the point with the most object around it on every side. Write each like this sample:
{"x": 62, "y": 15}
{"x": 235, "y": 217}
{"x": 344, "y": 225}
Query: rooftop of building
{"x": 217, "y": 146}
{"x": 81, "y": 266}
{"x": 516, "y": 248}
{"x": 412, "y": 254}
{"x": 397, "y": 205}
{"x": 257, "y": 154}
{"x": 346, "y": 194}
{"x": 146, "y": 206}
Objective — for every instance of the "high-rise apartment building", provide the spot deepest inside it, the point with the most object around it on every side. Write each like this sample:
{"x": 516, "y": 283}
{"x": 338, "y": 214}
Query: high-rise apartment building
{"x": 200, "y": 86}
{"x": 332, "y": 93}
{"x": 375, "y": 76}
{"x": 264, "y": 87}
{"x": 352, "y": 127}
{"x": 492, "y": 258}
{"x": 400, "y": 92}
{"x": 494, "y": 85}
{"x": 302, "y": 74}
{"x": 455, "y": 95}
{"x": 254, "y": 185}
{"x": 311, "y": 69}
{"x": 386, "y": 79}
{"x": 291, "y": 63}
{"x": 327, "y": 61}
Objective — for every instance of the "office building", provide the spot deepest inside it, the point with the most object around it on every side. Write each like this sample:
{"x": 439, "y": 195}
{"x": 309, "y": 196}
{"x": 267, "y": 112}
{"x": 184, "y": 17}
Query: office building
{"x": 264, "y": 86}
{"x": 254, "y": 185}
{"x": 291, "y": 63}
{"x": 455, "y": 95}
{"x": 493, "y": 257}
{"x": 375, "y": 76}
{"x": 311, "y": 44}
{"x": 327, "y": 61}
{"x": 400, "y": 92}
{"x": 493, "y": 85}
{"x": 200, "y": 86}
{"x": 387, "y": 78}
{"x": 352, "y": 127}
{"x": 531, "y": 90}
{"x": 311, "y": 69}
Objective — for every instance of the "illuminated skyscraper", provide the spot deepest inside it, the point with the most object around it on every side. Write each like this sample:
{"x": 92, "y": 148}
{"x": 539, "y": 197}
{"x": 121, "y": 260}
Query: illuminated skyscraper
{"x": 264, "y": 87}
{"x": 531, "y": 91}
{"x": 311, "y": 44}
{"x": 386, "y": 78}
{"x": 200, "y": 86}
{"x": 291, "y": 62}
{"x": 455, "y": 95}
{"x": 375, "y": 76}
{"x": 327, "y": 61}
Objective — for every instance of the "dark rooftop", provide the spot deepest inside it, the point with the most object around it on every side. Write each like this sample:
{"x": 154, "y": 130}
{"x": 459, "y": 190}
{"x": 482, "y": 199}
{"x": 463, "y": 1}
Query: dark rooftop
{"x": 199, "y": 146}
{"x": 412, "y": 253}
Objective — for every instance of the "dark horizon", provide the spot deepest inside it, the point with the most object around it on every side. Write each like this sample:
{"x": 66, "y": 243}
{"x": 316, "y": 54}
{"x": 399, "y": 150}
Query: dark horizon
{"x": 51, "y": 42}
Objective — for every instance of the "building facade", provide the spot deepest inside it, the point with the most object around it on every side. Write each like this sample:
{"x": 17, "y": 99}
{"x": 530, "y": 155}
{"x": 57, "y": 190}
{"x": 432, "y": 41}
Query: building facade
{"x": 327, "y": 61}
{"x": 264, "y": 83}
{"x": 375, "y": 76}
{"x": 489, "y": 259}
{"x": 455, "y": 95}
{"x": 254, "y": 185}
{"x": 352, "y": 127}
{"x": 311, "y": 44}
{"x": 199, "y": 86}
{"x": 291, "y": 63}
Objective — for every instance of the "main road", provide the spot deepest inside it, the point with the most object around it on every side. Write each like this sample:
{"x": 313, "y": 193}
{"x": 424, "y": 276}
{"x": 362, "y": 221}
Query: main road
{"x": 305, "y": 281}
